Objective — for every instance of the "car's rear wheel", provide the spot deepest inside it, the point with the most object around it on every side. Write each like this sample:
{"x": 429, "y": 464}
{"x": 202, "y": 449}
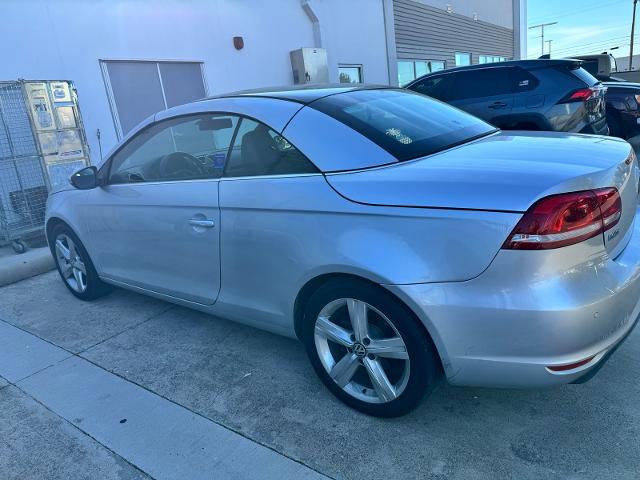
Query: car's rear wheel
{"x": 369, "y": 349}
{"x": 74, "y": 265}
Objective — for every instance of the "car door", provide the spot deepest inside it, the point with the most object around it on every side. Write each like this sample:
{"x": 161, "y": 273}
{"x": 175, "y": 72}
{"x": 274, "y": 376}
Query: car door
{"x": 263, "y": 193}
{"x": 486, "y": 93}
{"x": 154, "y": 224}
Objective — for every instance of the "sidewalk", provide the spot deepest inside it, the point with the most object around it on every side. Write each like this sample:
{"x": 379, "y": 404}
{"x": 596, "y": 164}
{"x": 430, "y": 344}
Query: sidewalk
{"x": 130, "y": 427}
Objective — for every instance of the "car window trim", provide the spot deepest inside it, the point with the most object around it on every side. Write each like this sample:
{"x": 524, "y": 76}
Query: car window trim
{"x": 273, "y": 176}
{"x": 230, "y": 149}
{"x": 162, "y": 182}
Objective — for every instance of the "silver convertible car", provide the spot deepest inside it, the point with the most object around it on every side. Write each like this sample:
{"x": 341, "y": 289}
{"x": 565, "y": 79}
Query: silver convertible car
{"x": 400, "y": 239}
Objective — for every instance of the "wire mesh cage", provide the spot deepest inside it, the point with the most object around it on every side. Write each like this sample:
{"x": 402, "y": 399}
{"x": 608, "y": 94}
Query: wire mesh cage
{"x": 42, "y": 142}
{"x": 23, "y": 183}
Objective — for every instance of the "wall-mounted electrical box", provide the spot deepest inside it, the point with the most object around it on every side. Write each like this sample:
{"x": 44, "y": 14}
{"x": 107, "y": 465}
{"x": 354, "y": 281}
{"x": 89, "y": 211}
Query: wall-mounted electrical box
{"x": 309, "y": 65}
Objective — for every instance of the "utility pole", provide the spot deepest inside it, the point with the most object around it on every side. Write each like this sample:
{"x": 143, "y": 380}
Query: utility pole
{"x": 633, "y": 28}
{"x": 548, "y": 42}
{"x": 541, "y": 27}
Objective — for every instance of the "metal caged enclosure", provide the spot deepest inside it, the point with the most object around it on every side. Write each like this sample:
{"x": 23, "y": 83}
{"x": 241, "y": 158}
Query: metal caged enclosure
{"x": 41, "y": 143}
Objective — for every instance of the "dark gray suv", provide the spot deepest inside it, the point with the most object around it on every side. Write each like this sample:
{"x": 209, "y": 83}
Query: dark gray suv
{"x": 524, "y": 95}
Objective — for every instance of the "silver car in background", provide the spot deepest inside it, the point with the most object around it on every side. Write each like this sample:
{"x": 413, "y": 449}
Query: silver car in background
{"x": 398, "y": 238}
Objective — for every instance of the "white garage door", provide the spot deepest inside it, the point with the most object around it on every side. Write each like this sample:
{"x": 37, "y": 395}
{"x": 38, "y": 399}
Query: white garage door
{"x": 138, "y": 89}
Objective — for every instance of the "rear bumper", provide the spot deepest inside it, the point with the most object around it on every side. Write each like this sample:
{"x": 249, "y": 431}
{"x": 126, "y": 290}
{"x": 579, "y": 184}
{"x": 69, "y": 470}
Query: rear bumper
{"x": 599, "y": 127}
{"x": 522, "y": 315}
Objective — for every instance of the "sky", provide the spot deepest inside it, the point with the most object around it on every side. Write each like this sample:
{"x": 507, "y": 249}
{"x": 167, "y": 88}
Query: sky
{"x": 584, "y": 27}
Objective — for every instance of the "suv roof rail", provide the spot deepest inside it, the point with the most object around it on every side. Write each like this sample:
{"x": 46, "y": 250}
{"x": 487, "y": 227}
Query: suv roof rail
{"x": 525, "y": 64}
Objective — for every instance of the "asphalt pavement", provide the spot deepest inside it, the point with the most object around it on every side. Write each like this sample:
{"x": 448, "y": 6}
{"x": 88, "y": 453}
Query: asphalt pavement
{"x": 203, "y": 397}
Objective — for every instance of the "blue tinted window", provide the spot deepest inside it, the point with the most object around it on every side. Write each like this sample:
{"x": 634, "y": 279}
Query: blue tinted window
{"x": 405, "y": 124}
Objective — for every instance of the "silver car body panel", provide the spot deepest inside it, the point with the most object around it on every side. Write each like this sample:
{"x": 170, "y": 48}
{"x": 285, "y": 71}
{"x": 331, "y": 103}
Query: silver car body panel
{"x": 556, "y": 307}
{"x": 332, "y": 146}
{"x": 140, "y": 233}
{"x": 497, "y": 317}
{"x": 487, "y": 174}
{"x": 270, "y": 111}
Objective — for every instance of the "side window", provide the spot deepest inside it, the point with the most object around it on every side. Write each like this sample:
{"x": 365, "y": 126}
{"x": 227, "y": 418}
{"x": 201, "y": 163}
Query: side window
{"x": 522, "y": 81}
{"x": 435, "y": 87}
{"x": 480, "y": 83}
{"x": 184, "y": 148}
{"x": 258, "y": 150}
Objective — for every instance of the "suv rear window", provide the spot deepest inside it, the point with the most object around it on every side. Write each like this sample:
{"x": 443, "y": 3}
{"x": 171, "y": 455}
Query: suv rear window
{"x": 406, "y": 124}
{"x": 584, "y": 76}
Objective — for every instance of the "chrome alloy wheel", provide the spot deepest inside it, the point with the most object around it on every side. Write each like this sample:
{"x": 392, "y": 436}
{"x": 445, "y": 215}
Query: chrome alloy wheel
{"x": 71, "y": 264}
{"x": 361, "y": 350}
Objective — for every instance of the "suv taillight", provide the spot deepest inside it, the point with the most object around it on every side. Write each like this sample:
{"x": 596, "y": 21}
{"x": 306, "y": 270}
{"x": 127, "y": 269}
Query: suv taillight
{"x": 581, "y": 95}
{"x": 566, "y": 219}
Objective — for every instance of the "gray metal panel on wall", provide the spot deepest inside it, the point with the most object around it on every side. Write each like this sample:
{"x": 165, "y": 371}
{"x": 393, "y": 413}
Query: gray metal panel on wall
{"x": 430, "y": 33}
{"x": 137, "y": 91}
{"x": 182, "y": 82}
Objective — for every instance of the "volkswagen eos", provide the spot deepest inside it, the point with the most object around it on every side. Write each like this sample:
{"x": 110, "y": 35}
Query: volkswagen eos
{"x": 400, "y": 239}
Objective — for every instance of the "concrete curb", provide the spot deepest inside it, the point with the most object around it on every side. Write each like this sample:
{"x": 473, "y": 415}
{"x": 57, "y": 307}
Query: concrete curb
{"x": 14, "y": 267}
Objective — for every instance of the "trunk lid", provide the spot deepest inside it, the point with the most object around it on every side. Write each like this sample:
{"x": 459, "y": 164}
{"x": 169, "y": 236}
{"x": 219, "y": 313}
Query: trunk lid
{"x": 507, "y": 171}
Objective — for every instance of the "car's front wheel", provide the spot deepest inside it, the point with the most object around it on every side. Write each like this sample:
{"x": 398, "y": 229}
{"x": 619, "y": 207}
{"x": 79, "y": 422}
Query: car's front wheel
{"x": 369, "y": 349}
{"x": 74, "y": 265}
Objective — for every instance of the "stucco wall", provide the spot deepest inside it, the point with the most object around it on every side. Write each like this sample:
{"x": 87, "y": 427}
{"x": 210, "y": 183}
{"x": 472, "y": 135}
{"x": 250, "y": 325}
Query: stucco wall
{"x": 65, "y": 39}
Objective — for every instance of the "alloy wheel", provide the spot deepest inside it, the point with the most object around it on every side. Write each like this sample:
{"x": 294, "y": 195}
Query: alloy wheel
{"x": 361, "y": 350}
{"x": 71, "y": 264}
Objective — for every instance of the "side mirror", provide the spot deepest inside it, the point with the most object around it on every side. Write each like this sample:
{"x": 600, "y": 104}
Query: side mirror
{"x": 85, "y": 179}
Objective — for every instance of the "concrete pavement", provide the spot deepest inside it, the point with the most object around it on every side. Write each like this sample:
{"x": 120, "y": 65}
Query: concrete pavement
{"x": 139, "y": 427}
{"x": 37, "y": 444}
{"x": 261, "y": 387}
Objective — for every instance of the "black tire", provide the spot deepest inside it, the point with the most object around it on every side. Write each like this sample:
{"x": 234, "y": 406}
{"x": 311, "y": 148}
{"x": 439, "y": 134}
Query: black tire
{"x": 19, "y": 246}
{"x": 95, "y": 288}
{"x": 424, "y": 364}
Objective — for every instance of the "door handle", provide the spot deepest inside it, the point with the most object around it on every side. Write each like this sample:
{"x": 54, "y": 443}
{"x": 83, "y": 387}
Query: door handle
{"x": 498, "y": 105}
{"x": 202, "y": 223}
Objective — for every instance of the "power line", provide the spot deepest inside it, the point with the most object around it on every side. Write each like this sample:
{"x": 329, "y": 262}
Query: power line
{"x": 593, "y": 45}
{"x": 563, "y": 12}
{"x": 575, "y": 12}
{"x": 594, "y": 51}
{"x": 606, "y": 41}
{"x": 585, "y": 50}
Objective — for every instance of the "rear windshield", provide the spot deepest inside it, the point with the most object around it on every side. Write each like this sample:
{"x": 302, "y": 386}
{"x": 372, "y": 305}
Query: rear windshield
{"x": 406, "y": 124}
{"x": 585, "y": 76}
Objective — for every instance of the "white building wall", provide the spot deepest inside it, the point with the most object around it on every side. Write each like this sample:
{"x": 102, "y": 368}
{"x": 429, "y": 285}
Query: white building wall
{"x": 65, "y": 39}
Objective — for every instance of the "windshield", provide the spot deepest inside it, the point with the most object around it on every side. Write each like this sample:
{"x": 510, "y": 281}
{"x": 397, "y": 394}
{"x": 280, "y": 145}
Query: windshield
{"x": 406, "y": 124}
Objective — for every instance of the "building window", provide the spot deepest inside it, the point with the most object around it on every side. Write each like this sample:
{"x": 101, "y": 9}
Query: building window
{"x": 409, "y": 70}
{"x": 350, "y": 73}
{"x": 491, "y": 59}
{"x": 137, "y": 89}
{"x": 463, "y": 59}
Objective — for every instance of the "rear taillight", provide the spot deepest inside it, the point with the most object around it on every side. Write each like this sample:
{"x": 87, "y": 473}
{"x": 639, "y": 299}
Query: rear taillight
{"x": 566, "y": 219}
{"x": 581, "y": 95}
